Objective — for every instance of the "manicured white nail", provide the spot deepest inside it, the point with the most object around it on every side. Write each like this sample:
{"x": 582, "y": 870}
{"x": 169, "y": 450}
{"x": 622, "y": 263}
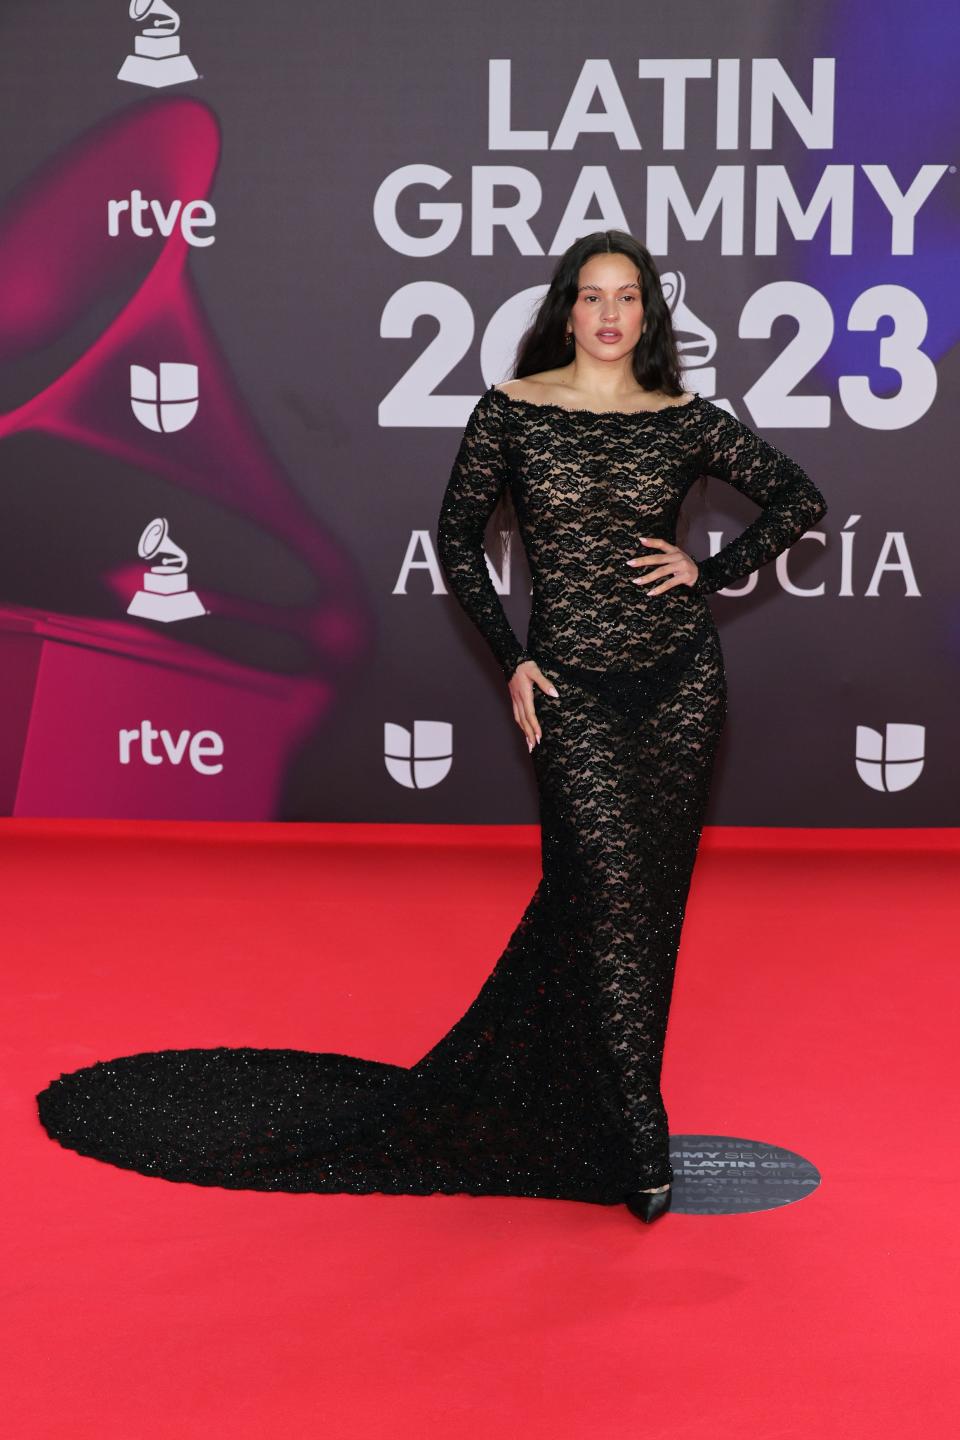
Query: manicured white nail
{"x": 553, "y": 693}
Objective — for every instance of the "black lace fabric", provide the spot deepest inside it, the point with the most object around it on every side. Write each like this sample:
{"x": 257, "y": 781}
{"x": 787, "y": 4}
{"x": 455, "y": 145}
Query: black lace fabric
{"x": 549, "y": 1084}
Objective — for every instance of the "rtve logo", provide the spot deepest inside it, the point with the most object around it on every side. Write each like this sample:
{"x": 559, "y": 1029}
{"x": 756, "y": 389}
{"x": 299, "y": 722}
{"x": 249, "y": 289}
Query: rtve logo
{"x": 194, "y": 215}
{"x": 889, "y": 761}
{"x": 202, "y": 747}
{"x": 167, "y": 403}
{"x": 422, "y": 760}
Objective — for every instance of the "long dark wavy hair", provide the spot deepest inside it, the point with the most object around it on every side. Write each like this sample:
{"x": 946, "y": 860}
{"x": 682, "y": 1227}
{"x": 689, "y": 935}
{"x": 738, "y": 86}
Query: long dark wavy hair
{"x": 544, "y": 344}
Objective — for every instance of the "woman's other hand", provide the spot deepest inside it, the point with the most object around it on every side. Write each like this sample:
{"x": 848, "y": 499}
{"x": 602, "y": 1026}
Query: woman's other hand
{"x": 526, "y": 676}
{"x": 673, "y": 566}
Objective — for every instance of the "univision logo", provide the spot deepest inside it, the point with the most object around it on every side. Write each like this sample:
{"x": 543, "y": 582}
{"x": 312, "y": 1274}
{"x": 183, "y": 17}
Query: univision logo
{"x": 420, "y": 759}
{"x": 891, "y": 760}
{"x": 167, "y": 402}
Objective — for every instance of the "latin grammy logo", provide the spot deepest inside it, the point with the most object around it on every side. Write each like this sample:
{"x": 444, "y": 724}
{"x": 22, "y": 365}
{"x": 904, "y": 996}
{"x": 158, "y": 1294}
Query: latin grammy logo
{"x": 696, "y": 341}
{"x": 165, "y": 595}
{"x": 156, "y": 60}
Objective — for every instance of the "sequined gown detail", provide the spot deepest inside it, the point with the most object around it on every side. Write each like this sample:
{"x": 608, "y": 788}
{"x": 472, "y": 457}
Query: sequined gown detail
{"x": 549, "y": 1084}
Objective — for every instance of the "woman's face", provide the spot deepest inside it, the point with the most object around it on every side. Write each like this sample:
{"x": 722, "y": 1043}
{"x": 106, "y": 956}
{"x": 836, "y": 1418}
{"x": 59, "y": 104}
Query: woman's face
{"x": 607, "y": 315}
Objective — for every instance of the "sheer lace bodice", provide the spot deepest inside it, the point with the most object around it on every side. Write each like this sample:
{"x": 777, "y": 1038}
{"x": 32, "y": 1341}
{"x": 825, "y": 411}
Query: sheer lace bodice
{"x": 587, "y": 485}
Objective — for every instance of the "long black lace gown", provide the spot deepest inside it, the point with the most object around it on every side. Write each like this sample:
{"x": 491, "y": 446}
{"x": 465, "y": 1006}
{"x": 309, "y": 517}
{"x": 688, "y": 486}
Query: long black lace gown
{"x": 548, "y": 1085}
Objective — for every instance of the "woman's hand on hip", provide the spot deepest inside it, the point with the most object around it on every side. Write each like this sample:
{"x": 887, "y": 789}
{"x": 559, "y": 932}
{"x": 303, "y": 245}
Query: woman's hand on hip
{"x": 672, "y": 566}
{"x": 526, "y": 676}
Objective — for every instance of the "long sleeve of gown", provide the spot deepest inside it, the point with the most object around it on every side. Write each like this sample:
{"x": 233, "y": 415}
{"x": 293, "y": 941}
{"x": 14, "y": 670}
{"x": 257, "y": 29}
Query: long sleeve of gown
{"x": 790, "y": 502}
{"x": 478, "y": 476}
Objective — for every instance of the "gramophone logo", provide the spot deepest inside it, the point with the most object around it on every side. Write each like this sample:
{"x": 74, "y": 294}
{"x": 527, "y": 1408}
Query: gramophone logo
{"x": 167, "y": 402}
{"x": 156, "y": 60}
{"x": 165, "y": 595}
{"x": 696, "y": 340}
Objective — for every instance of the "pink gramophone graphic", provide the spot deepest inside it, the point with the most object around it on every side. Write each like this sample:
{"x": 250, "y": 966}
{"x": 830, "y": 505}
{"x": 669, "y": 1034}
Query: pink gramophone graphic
{"x": 75, "y": 681}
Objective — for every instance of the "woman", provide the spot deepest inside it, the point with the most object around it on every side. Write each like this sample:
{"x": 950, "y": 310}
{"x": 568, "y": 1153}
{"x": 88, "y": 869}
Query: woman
{"x": 598, "y": 444}
{"x": 548, "y": 1085}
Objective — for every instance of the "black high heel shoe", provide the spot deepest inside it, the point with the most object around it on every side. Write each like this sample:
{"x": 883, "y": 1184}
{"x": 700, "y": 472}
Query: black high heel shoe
{"x": 648, "y": 1205}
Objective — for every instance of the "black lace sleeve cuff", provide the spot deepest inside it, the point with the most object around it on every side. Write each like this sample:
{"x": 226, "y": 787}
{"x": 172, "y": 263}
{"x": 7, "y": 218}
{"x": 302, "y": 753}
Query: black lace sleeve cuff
{"x": 511, "y": 665}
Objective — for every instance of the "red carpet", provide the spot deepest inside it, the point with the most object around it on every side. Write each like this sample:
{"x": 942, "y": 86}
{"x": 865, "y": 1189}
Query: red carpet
{"x": 815, "y": 1008}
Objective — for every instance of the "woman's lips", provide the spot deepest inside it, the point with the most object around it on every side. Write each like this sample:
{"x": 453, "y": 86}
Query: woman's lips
{"x": 610, "y": 337}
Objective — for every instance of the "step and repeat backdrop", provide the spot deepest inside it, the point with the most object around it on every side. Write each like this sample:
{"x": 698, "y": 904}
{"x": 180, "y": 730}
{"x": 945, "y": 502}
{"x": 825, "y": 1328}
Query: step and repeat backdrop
{"x": 257, "y": 264}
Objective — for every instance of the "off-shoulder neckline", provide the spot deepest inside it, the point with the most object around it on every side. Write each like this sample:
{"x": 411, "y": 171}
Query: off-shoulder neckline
{"x": 594, "y": 414}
